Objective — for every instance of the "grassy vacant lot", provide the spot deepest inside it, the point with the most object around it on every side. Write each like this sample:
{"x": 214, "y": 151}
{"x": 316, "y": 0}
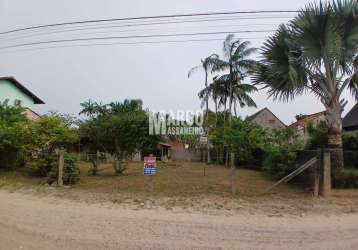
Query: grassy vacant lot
{"x": 183, "y": 179}
{"x": 182, "y": 186}
{"x": 173, "y": 179}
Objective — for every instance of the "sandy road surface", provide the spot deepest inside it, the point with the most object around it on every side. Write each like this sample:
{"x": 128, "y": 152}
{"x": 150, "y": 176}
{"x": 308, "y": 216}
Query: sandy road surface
{"x": 29, "y": 222}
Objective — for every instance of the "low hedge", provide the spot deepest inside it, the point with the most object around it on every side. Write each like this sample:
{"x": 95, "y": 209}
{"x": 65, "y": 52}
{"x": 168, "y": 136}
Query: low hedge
{"x": 348, "y": 179}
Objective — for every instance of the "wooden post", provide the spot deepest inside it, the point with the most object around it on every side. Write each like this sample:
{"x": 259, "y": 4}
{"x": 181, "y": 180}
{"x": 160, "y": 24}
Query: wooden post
{"x": 97, "y": 157}
{"x": 232, "y": 163}
{"x": 61, "y": 163}
{"x": 151, "y": 183}
{"x": 317, "y": 171}
{"x": 325, "y": 187}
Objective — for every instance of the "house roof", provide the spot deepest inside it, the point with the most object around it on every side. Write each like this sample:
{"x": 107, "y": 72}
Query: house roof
{"x": 351, "y": 119}
{"x": 306, "y": 119}
{"x": 21, "y": 87}
{"x": 252, "y": 117}
{"x": 165, "y": 144}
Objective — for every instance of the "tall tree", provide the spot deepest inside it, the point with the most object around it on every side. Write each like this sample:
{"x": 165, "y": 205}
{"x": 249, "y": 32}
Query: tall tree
{"x": 316, "y": 52}
{"x": 207, "y": 65}
{"x": 89, "y": 108}
{"x": 238, "y": 65}
{"x": 121, "y": 131}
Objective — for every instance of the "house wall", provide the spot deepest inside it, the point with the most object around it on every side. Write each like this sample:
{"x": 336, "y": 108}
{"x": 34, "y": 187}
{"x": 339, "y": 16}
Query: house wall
{"x": 185, "y": 155}
{"x": 31, "y": 115}
{"x": 267, "y": 120}
{"x": 10, "y": 92}
{"x": 302, "y": 131}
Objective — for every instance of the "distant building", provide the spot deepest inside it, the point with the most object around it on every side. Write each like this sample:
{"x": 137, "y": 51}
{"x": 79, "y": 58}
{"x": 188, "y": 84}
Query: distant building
{"x": 303, "y": 121}
{"x": 266, "y": 119}
{"x": 350, "y": 121}
{"x": 17, "y": 94}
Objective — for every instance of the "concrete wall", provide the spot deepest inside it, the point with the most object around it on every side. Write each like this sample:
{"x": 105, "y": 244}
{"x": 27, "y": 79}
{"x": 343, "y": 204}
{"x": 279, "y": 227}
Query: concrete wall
{"x": 267, "y": 120}
{"x": 12, "y": 93}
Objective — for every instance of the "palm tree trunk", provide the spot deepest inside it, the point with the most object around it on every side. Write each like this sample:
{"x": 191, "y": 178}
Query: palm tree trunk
{"x": 216, "y": 111}
{"x": 232, "y": 154}
{"x": 334, "y": 122}
{"x": 207, "y": 119}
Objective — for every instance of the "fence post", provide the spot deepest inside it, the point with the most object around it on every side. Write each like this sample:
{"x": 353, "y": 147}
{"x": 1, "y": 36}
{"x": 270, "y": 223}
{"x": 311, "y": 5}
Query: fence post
{"x": 232, "y": 163}
{"x": 61, "y": 163}
{"x": 326, "y": 174}
{"x": 317, "y": 171}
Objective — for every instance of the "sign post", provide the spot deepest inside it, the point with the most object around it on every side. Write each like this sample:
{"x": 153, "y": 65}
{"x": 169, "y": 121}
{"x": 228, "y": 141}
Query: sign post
{"x": 204, "y": 141}
{"x": 150, "y": 170}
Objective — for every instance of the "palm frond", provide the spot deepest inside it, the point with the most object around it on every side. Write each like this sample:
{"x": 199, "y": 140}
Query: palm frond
{"x": 281, "y": 70}
{"x": 194, "y": 69}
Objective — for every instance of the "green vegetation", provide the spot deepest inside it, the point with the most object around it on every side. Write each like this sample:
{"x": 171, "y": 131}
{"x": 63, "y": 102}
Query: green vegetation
{"x": 243, "y": 137}
{"x": 120, "y": 129}
{"x": 316, "y": 52}
{"x": 43, "y": 138}
{"x": 348, "y": 179}
{"x": 12, "y": 138}
{"x": 33, "y": 144}
{"x": 71, "y": 171}
{"x": 280, "y": 153}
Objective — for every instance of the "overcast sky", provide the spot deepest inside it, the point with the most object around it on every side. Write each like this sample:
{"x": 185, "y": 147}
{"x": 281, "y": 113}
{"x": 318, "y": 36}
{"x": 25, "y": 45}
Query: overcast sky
{"x": 156, "y": 73}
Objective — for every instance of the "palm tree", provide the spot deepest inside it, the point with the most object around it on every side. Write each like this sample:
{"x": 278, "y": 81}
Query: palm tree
{"x": 220, "y": 88}
{"x": 89, "y": 108}
{"x": 316, "y": 52}
{"x": 128, "y": 105}
{"x": 237, "y": 63}
{"x": 207, "y": 65}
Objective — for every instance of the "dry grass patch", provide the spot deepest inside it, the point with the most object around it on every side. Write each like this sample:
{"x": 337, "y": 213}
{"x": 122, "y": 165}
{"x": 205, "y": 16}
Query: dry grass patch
{"x": 179, "y": 179}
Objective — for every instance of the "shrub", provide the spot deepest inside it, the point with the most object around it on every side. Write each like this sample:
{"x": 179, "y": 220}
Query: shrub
{"x": 43, "y": 137}
{"x": 243, "y": 137}
{"x": 350, "y": 159}
{"x": 280, "y": 152}
{"x": 12, "y": 128}
{"x": 348, "y": 179}
{"x": 71, "y": 171}
{"x": 350, "y": 141}
{"x": 279, "y": 162}
{"x": 318, "y": 136}
{"x": 42, "y": 164}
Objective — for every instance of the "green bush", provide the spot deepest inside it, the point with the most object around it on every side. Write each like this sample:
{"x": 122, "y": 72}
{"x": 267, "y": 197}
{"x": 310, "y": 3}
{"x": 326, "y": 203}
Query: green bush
{"x": 318, "y": 136}
{"x": 12, "y": 129}
{"x": 279, "y": 162}
{"x": 42, "y": 165}
{"x": 350, "y": 141}
{"x": 243, "y": 137}
{"x": 71, "y": 171}
{"x": 43, "y": 137}
{"x": 348, "y": 179}
{"x": 280, "y": 152}
{"x": 350, "y": 159}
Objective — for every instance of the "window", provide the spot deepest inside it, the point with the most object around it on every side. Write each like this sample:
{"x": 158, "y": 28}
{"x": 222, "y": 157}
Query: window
{"x": 271, "y": 121}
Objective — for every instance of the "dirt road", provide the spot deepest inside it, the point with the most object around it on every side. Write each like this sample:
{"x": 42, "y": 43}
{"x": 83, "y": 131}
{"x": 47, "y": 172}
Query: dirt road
{"x": 29, "y": 222}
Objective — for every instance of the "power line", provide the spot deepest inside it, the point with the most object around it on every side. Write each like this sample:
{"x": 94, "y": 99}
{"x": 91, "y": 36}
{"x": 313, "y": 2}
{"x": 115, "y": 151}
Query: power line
{"x": 145, "y": 17}
{"x": 121, "y": 31}
{"x": 98, "y": 26}
{"x": 131, "y": 37}
{"x": 124, "y": 43}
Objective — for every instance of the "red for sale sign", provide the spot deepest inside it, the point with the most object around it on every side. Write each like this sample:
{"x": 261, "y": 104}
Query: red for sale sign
{"x": 150, "y": 166}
